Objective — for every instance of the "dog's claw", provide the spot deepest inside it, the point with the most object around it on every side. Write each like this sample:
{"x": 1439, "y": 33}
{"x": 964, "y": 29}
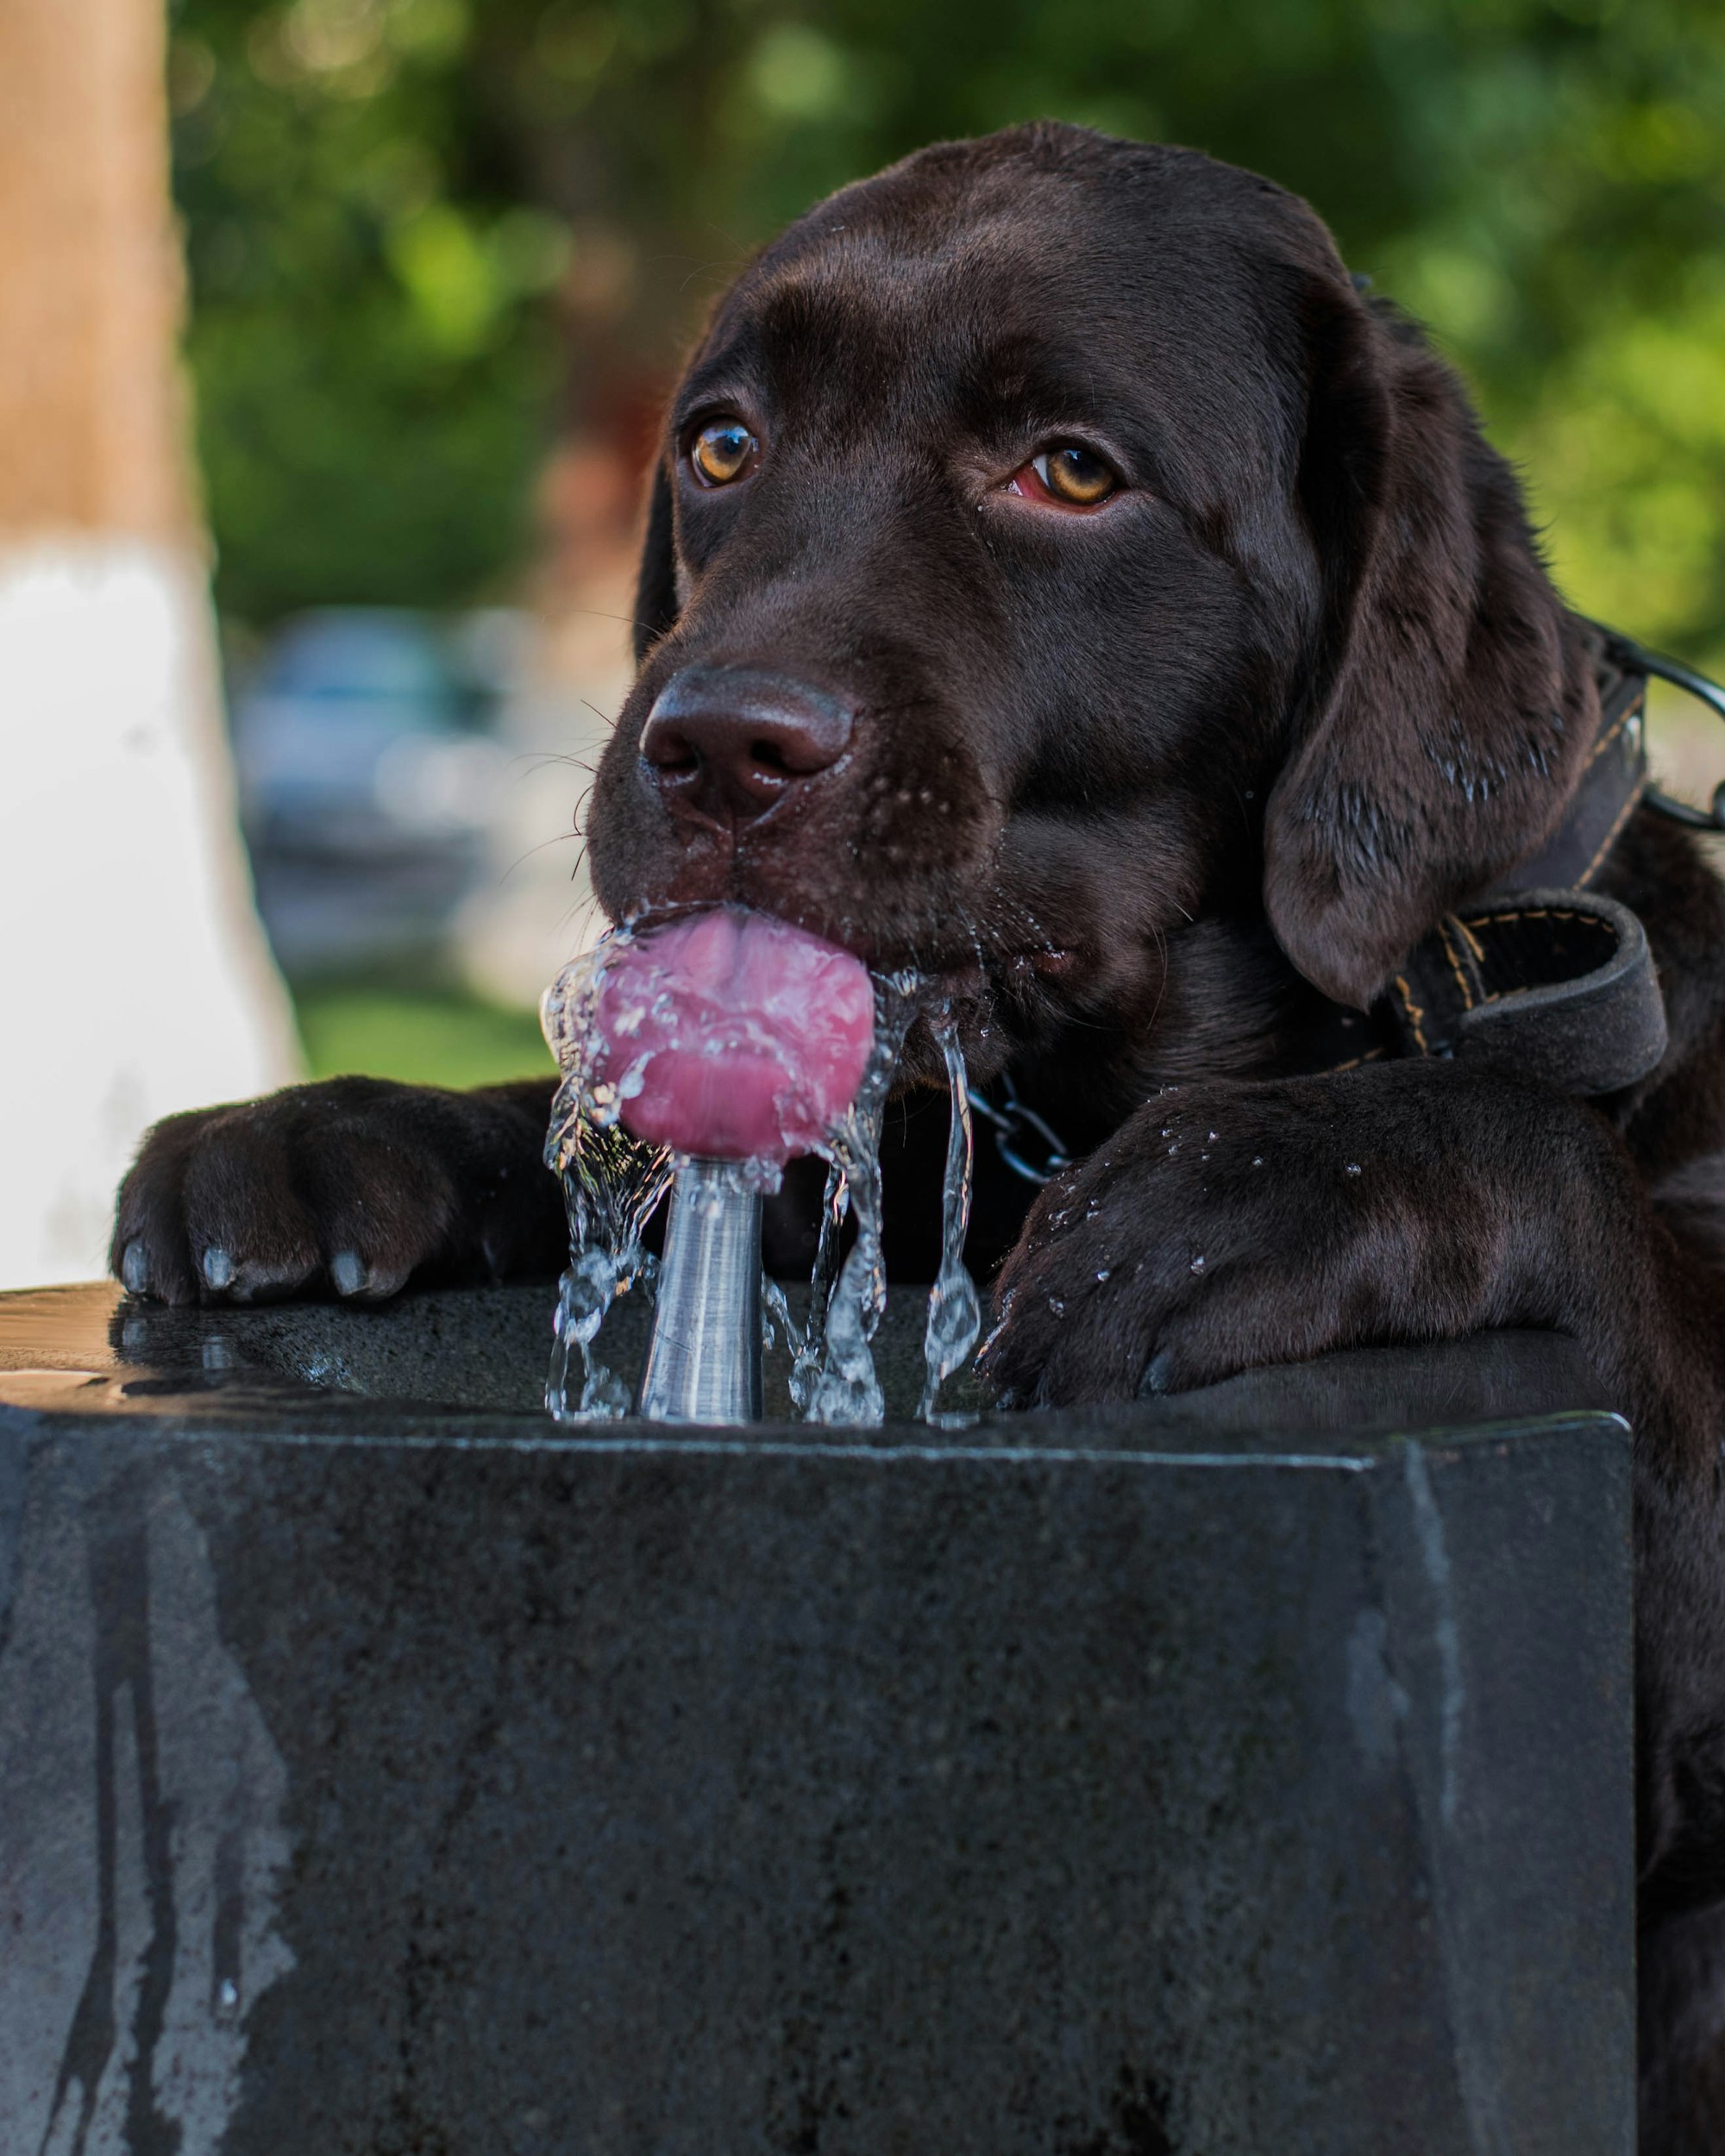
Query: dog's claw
{"x": 348, "y": 1273}
{"x": 218, "y": 1268}
{"x": 135, "y": 1267}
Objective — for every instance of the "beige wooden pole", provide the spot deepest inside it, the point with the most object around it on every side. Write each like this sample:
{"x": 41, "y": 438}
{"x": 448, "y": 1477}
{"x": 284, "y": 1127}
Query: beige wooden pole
{"x": 133, "y": 975}
{"x": 91, "y": 433}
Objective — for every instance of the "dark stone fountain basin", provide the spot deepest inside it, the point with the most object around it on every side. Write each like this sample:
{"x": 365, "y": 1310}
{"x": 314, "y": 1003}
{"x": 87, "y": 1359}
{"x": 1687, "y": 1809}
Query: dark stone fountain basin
{"x": 384, "y": 1769}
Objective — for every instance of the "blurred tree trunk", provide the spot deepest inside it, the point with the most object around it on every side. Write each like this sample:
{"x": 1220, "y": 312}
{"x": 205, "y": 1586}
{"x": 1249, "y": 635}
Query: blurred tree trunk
{"x": 91, "y": 435}
{"x": 133, "y": 971}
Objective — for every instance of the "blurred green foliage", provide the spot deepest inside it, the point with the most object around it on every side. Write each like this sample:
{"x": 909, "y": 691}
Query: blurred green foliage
{"x": 423, "y": 232}
{"x": 425, "y": 1037}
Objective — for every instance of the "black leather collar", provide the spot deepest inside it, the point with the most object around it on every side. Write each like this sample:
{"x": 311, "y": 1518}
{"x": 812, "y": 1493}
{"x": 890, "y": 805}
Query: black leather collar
{"x": 1554, "y": 984}
{"x": 1538, "y": 974}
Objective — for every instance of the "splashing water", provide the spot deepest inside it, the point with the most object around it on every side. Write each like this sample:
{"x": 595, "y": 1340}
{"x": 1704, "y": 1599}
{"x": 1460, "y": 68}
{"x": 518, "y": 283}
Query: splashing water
{"x": 775, "y": 1309}
{"x": 954, "y": 1317}
{"x": 809, "y": 1346}
{"x": 847, "y": 1390}
{"x": 612, "y": 1181}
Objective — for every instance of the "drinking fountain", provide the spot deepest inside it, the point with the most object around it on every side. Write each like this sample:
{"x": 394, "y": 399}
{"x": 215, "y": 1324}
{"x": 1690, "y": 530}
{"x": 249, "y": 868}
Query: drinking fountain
{"x": 998, "y": 1784}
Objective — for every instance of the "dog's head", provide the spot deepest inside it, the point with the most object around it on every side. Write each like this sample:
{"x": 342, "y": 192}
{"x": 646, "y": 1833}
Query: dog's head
{"x": 1050, "y": 549}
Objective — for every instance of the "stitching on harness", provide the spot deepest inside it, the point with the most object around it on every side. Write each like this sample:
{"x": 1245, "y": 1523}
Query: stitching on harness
{"x": 1535, "y": 914}
{"x": 1605, "y": 740}
{"x": 1610, "y": 838}
{"x": 1415, "y": 1012}
{"x": 1335, "y": 1070}
{"x": 1473, "y": 941}
{"x": 1455, "y": 965}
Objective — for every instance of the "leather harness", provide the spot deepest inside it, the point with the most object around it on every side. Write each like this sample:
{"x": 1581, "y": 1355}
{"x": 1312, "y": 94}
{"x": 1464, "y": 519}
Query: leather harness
{"x": 1538, "y": 974}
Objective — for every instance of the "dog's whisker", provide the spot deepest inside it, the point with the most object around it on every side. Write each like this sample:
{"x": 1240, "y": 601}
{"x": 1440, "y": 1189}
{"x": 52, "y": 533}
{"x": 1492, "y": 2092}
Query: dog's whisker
{"x": 562, "y": 838}
{"x": 599, "y": 613}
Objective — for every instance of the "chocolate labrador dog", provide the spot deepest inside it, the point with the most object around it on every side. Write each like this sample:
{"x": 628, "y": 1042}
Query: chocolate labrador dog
{"x": 1059, "y": 578}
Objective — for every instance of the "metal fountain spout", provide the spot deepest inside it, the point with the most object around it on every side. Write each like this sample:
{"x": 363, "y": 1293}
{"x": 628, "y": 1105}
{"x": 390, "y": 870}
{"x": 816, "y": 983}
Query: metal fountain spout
{"x": 704, "y": 1363}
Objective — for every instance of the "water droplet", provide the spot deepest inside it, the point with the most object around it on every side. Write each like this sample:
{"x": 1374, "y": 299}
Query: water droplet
{"x": 1257, "y": 1160}
{"x": 1173, "y": 1149}
{"x": 1055, "y": 1305}
{"x": 227, "y": 1998}
{"x": 1104, "y": 1273}
{"x": 774, "y": 1306}
{"x": 1212, "y": 1137}
{"x": 1353, "y": 1168}
{"x": 1197, "y": 1264}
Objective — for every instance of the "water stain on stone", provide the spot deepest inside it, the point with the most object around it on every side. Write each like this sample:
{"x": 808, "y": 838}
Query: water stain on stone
{"x": 132, "y": 1752}
{"x": 1137, "y": 2123}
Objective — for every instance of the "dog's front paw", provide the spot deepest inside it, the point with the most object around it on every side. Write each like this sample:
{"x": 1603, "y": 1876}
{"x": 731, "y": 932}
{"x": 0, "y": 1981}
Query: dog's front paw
{"x": 351, "y": 1185}
{"x": 1230, "y": 1225}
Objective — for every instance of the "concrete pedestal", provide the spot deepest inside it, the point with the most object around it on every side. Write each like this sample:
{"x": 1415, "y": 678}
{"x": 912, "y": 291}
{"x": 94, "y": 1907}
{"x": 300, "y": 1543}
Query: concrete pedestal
{"x": 383, "y": 1774}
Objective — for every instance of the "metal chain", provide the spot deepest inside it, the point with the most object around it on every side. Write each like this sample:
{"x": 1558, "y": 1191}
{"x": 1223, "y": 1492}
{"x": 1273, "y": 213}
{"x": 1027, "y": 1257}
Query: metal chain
{"x": 1014, "y": 1123}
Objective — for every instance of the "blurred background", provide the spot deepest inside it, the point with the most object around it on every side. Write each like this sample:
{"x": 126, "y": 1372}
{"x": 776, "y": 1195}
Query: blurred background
{"x": 430, "y": 264}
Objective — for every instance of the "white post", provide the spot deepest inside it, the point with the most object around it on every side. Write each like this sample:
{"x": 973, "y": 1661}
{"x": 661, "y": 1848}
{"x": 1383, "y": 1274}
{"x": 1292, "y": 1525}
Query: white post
{"x": 134, "y": 979}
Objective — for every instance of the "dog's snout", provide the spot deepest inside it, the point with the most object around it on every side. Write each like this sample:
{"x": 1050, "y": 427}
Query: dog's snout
{"x": 733, "y": 741}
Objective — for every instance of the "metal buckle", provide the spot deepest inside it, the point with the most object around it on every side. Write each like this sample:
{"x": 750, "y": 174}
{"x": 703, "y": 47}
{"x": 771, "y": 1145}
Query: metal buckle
{"x": 1705, "y": 692}
{"x": 1011, "y": 1125}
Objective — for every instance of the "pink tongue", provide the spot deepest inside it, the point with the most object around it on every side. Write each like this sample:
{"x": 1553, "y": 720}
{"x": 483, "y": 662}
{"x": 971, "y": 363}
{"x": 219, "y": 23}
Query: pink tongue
{"x": 756, "y": 1035}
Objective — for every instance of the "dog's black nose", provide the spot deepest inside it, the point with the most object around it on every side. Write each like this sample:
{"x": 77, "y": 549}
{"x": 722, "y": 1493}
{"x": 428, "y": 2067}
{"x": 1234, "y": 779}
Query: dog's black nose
{"x": 731, "y": 741}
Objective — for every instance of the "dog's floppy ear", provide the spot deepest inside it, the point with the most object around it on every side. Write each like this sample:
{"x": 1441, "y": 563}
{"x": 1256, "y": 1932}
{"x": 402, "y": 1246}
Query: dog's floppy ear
{"x": 656, "y": 586}
{"x": 1449, "y": 704}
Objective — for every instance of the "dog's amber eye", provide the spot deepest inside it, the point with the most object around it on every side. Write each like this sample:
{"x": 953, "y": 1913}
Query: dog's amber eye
{"x": 723, "y": 451}
{"x": 1074, "y": 475}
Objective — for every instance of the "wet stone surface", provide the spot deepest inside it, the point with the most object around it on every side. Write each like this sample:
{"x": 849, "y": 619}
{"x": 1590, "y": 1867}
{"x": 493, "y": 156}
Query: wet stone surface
{"x": 386, "y": 1770}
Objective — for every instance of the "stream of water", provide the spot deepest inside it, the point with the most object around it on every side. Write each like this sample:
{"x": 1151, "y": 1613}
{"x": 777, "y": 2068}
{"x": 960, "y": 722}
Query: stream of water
{"x": 954, "y": 1317}
{"x": 612, "y": 1181}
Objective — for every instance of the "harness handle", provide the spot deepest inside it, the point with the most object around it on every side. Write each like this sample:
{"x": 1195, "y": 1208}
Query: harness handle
{"x": 1704, "y": 692}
